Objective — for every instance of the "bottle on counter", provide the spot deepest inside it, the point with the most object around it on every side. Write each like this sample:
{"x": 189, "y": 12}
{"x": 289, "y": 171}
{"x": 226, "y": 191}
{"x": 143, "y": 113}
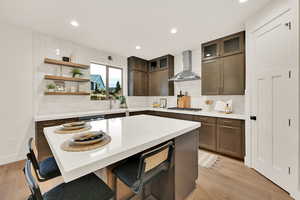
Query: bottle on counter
{"x": 227, "y": 109}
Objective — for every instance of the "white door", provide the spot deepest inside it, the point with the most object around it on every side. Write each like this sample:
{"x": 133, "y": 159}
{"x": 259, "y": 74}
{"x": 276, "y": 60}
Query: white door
{"x": 272, "y": 90}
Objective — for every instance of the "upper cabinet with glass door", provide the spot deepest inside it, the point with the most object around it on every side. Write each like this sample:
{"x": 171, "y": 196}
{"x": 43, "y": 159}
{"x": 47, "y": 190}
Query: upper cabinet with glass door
{"x": 233, "y": 44}
{"x": 211, "y": 50}
{"x": 226, "y": 46}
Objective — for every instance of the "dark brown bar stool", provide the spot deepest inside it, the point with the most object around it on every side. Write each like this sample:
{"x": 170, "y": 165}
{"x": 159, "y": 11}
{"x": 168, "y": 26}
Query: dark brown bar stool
{"x": 44, "y": 170}
{"x": 88, "y": 187}
{"x": 142, "y": 169}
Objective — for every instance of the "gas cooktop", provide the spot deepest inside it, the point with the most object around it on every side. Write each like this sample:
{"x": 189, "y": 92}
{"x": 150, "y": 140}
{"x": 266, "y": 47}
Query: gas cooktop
{"x": 187, "y": 109}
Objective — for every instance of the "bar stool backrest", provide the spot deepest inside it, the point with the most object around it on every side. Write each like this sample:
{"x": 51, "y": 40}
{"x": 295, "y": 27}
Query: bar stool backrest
{"x": 31, "y": 155}
{"x": 158, "y": 157}
{"x": 33, "y": 186}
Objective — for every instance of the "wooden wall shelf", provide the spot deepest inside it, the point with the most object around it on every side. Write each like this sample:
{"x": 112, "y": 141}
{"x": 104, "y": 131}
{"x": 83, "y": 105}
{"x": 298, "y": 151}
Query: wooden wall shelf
{"x": 62, "y": 78}
{"x": 67, "y": 93}
{"x": 68, "y": 64}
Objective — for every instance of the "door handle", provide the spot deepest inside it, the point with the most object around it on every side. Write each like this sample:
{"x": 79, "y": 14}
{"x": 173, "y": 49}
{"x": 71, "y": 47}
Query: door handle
{"x": 253, "y": 118}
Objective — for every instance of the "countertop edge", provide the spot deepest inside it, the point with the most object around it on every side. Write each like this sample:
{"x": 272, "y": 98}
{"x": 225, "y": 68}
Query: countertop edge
{"x": 115, "y": 111}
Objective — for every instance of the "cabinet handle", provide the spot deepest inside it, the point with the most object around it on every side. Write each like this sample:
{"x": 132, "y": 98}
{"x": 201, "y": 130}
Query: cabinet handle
{"x": 228, "y": 122}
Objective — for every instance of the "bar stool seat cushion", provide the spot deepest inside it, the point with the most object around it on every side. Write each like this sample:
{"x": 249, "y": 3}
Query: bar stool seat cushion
{"x": 48, "y": 168}
{"x": 88, "y": 187}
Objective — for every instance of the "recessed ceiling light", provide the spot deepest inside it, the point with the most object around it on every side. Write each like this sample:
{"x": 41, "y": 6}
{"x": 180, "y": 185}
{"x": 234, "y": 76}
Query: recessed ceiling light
{"x": 243, "y": 1}
{"x": 138, "y": 47}
{"x": 74, "y": 23}
{"x": 173, "y": 30}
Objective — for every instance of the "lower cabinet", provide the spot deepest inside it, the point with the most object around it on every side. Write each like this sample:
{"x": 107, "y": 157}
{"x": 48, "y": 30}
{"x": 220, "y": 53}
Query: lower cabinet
{"x": 230, "y": 138}
{"x": 207, "y": 136}
{"x": 224, "y": 136}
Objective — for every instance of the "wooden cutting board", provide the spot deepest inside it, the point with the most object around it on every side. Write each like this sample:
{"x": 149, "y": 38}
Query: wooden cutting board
{"x": 184, "y": 102}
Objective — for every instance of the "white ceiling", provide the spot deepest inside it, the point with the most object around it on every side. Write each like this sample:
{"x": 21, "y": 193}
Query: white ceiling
{"x": 119, "y": 25}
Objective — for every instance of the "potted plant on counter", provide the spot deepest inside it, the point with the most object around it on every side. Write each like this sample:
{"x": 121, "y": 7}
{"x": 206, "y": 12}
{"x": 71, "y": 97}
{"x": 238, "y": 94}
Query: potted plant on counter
{"x": 51, "y": 87}
{"x": 76, "y": 73}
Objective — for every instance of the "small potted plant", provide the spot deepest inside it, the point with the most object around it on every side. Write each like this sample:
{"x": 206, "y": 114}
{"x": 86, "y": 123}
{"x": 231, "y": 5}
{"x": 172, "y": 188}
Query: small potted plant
{"x": 51, "y": 87}
{"x": 123, "y": 103}
{"x": 76, "y": 72}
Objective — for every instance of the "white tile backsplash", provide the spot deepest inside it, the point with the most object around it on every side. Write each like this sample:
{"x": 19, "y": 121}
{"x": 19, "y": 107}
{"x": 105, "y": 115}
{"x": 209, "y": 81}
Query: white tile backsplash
{"x": 198, "y": 102}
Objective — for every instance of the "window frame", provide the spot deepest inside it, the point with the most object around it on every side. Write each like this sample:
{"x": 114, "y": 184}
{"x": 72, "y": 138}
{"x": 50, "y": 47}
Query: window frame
{"x": 107, "y": 79}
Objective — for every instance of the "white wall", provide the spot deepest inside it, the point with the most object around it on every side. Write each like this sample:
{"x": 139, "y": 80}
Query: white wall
{"x": 45, "y": 46}
{"x": 16, "y": 86}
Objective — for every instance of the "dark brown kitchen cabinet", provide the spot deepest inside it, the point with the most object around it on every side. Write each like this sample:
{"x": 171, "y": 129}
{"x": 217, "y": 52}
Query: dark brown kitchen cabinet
{"x": 137, "y": 77}
{"x": 158, "y": 83}
{"x": 233, "y": 44}
{"x": 207, "y": 136}
{"x": 233, "y": 75}
{"x": 138, "y": 84}
{"x": 207, "y": 132}
{"x": 230, "y": 138}
{"x": 139, "y": 64}
{"x": 211, "y": 50}
{"x": 224, "y": 74}
{"x": 150, "y": 78}
{"x": 211, "y": 77}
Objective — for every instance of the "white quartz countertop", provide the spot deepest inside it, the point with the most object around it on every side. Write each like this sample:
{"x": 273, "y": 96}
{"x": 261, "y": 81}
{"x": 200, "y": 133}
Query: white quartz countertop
{"x": 130, "y": 135}
{"x": 104, "y": 112}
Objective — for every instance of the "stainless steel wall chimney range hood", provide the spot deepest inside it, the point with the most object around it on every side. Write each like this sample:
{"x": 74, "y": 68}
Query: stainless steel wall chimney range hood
{"x": 186, "y": 74}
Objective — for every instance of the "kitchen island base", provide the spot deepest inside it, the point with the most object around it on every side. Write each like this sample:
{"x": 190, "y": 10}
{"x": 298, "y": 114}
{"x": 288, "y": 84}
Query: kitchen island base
{"x": 178, "y": 182}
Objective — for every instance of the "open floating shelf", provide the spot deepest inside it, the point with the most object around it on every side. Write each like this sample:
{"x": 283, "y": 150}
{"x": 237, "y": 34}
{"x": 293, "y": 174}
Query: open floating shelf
{"x": 68, "y": 64}
{"x": 67, "y": 93}
{"x": 62, "y": 78}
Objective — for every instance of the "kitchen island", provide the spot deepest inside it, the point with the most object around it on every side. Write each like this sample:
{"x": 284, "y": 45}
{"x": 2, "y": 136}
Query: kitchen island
{"x": 129, "y": 136}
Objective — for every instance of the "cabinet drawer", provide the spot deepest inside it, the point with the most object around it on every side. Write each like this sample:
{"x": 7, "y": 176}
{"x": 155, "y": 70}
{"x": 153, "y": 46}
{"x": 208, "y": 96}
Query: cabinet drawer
{"x": 181, "y": 116}
{"x": 230, "y": 122}
{"x": 211, "y": 120}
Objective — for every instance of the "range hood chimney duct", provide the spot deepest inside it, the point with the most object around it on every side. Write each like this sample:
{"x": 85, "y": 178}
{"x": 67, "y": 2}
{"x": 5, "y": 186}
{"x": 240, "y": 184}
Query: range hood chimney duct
{"x": 186, "y": 74}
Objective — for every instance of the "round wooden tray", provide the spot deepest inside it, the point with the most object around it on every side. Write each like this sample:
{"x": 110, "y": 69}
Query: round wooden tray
{"x": 64, "y": 131}
{"x": 70, "y": 146}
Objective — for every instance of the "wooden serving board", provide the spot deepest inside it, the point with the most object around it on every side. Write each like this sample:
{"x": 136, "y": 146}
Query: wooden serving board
{"x": 63, "y": 131}
{"x": 71, "y": 147}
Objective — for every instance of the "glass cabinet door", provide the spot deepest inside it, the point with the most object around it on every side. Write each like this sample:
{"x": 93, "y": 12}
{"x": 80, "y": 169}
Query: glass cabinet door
{"x": 232, "y": 44}
{"x": 210, "y": 50}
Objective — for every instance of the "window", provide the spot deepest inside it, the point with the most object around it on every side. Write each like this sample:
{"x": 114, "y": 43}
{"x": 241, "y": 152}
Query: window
{"x": 106, "y": 82}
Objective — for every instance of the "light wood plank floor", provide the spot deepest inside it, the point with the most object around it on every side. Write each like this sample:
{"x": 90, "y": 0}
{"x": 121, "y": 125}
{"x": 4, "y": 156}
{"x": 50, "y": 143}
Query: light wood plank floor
{"x": 227, "y": 180}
